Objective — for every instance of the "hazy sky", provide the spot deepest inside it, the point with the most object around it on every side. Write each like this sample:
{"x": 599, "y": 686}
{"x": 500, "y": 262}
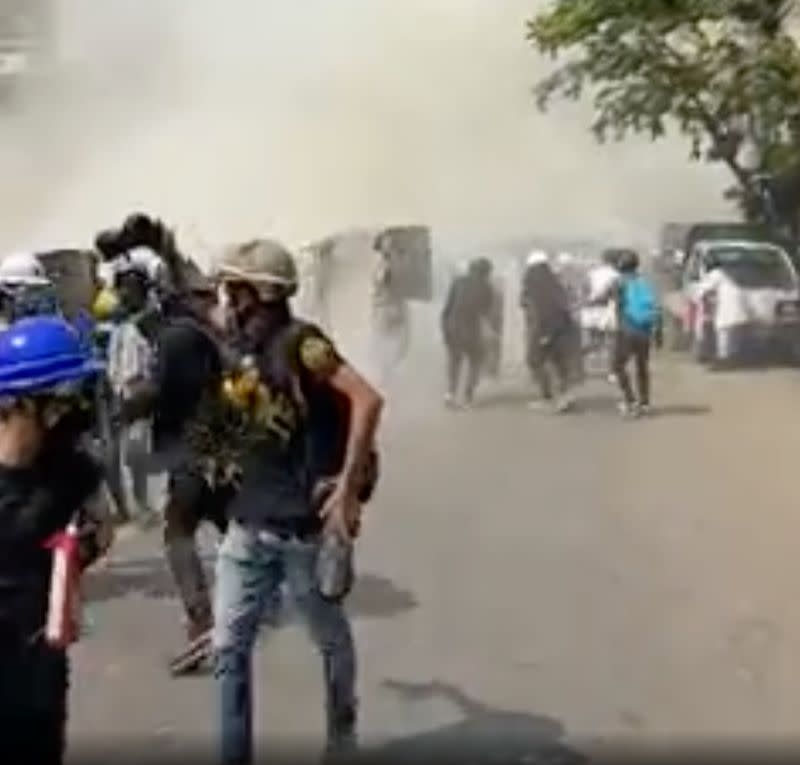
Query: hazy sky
{"x": 235, "y": 117}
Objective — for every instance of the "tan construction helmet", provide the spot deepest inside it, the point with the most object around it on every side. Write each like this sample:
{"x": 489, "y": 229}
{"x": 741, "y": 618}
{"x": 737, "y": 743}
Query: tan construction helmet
{"x": 264, "y": 263}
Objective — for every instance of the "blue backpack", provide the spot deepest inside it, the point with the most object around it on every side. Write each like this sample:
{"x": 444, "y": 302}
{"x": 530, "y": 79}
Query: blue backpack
{"x": 639, "y": 304}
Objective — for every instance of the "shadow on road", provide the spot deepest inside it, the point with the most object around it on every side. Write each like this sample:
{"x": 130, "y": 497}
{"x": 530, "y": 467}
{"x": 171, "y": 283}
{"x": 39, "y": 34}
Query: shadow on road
{"x": 372, "y": 597}
{"x": 498, "y": 399}
{"x": 607, "y": 404}
{"x": 604, "y": 403}
{"x": 484, "y": 735}
{"x": 681, "y": 410}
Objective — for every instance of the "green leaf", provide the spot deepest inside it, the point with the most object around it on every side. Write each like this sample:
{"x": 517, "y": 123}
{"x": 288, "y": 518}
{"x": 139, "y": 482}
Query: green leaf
{"x": 706, "y": 67}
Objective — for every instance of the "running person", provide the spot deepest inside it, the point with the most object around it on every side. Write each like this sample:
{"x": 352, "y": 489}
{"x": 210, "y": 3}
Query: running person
{"x": 551, "y": 330}
{"x": 470, "y": 303}
{"x": 638, "y": 324}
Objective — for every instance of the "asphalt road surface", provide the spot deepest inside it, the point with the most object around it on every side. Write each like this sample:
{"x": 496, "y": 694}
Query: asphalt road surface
{"x": 536, "y": 586}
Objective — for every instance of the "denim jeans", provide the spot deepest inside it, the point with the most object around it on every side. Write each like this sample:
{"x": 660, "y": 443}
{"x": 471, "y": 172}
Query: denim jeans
{"x": 251, "y": 567}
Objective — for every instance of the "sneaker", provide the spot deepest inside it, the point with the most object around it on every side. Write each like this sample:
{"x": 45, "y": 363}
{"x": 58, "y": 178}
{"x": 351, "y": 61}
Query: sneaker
{"x": 564, "y": 404}
{"x": 644, "y": 409}
{"x": 194, "y": 657}
{"x": 340, "y": 752}
{"x": 342, "y": 742}
{"x": 628, "y": 411}
{"x": 454, "y": 402}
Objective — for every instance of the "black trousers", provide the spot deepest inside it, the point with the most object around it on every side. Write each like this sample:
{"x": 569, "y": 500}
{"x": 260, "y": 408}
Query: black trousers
{"x": 544, "y": 353}
{"x": 633, "y": 346}
{"x": 33, "y": 702}
{"x": 192, "y": 501}
{"x": 457, "y": 355}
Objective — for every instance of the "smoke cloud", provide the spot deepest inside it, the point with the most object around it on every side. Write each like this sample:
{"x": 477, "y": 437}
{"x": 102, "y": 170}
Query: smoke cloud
{"x": 236, "y": 117}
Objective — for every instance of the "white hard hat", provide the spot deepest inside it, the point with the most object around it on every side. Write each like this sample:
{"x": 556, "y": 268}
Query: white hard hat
{"x": 565, "y": 259}
{"x": 144, "y": 259}
{"x": 537, "y": 258}
{"x": 23, "y": 268}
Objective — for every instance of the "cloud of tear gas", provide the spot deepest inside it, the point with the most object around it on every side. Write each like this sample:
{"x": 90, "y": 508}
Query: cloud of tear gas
{"x": 234, "y": 117}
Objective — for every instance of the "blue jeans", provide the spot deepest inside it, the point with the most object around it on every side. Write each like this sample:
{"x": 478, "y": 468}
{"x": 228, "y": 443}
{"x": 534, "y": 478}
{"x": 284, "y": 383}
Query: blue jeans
{"x": 251, "y": 567}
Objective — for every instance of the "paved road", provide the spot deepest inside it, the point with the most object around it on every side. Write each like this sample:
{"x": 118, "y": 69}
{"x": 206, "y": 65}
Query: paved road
{"x": 553, "y": 583}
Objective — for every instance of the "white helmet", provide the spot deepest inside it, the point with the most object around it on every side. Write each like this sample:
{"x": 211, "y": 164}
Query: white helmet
{"x": 565, "y": 259}
{"x": 145, "y": 260}
{"x": 23, "y": 269}
{"x": 537, "y": 258}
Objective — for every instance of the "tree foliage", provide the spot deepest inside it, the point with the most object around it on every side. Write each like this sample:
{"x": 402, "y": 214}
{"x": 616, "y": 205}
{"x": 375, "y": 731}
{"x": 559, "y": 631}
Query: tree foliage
{"x": 726, "y": 73}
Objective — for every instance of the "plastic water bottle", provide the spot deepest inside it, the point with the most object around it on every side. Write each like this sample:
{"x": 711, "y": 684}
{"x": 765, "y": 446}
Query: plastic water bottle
{"x": 334, "y": 568}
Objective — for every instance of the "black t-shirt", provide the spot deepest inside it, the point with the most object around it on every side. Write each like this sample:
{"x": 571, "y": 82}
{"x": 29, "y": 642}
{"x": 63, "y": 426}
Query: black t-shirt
{"x": 35, "y": 503}
{"x": 302, "y": 433}
{"x": 188, "y": 366}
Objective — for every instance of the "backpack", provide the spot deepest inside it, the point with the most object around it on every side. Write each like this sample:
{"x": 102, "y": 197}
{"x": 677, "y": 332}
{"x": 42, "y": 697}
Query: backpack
{"x": 639, "y": 304}
{"x": 327, "y": 412}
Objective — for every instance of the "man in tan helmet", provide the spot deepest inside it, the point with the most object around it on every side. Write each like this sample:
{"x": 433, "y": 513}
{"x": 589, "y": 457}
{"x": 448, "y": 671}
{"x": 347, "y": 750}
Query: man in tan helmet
{"x": 301, "y": 479}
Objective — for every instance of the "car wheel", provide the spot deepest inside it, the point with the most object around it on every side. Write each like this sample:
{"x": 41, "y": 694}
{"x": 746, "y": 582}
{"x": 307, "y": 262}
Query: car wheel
{"x": 791, "y": 351}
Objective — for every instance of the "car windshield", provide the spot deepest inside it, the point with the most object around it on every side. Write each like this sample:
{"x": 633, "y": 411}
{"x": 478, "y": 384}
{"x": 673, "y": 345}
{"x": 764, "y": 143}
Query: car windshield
{"x": 753, "y": 267}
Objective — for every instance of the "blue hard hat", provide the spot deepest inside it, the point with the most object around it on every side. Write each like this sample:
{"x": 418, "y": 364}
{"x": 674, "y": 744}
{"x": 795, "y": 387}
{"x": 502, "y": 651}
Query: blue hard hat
{"x": 42, "y": 354}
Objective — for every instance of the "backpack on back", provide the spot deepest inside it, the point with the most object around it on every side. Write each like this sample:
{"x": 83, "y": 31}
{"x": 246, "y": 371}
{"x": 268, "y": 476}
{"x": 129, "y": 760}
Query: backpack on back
{"x": 639, "y": 304}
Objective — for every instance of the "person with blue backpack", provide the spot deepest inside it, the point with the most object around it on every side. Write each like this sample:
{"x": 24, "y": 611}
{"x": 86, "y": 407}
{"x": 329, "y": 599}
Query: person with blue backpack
{"x": 638, "y": 324}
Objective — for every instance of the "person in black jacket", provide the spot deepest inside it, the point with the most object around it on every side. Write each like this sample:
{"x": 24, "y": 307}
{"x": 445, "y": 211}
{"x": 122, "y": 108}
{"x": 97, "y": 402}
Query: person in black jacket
{"x": 469, "y": 308}
{"x": 47, "y": 480}
{"x": 179, "y": 396}
{"x": 551, "y": 330}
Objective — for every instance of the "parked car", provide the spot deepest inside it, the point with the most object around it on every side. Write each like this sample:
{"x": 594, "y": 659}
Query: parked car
{"x": 763, "y": 280}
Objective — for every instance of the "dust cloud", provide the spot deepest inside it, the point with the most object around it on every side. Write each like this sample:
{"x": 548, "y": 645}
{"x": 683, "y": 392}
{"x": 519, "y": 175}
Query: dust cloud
{"x": 233, "y": 117}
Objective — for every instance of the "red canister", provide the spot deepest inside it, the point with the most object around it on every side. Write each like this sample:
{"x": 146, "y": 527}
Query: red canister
{"x": 63, "y": 614}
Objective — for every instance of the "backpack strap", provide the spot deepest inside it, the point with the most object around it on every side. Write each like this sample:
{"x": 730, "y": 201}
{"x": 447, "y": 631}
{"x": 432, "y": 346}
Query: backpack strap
{"x": 287, "y": 344}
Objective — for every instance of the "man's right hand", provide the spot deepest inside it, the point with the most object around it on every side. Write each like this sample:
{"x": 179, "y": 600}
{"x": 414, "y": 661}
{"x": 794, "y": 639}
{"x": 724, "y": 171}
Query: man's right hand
{"x": 341, "y": 511}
